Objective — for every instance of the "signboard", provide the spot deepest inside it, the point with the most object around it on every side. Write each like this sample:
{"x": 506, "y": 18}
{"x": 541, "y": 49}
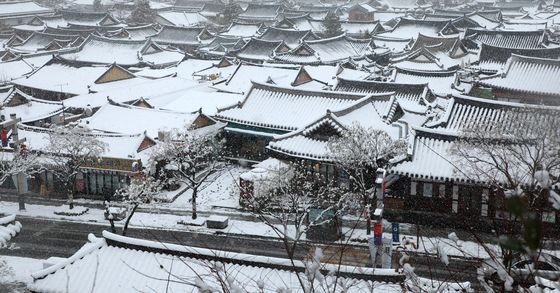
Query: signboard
{"x": 395, "y": 231}
{"x": 386, "y": 253}
{"x": 113, "y": 164}
{"x": 377, "y": 233}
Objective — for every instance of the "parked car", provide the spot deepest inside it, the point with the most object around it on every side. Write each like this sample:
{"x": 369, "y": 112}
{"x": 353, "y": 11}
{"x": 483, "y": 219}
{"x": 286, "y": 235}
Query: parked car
{"x": 524, "y": 269}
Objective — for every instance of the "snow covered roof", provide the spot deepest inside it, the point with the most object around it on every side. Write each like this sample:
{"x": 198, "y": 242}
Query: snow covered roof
{"x": 21, "y": 8}
{"x": 244, "y": 30}
{"x": 284, "y": 109}
{"x": 133, "y": 33}
{"x": 14, "y": 69}
{"x": 147, "y": 89}
{"x": 258, "y": 50}
{"x": 261, "y": 11}
{"x": 39, "y": 41}
{"x": 221, "y": 45}
{"x": 412, "y": 97}
{"x": 61, "y": 76}
{"x": 144, "y": 265}
{"x": 291, "y": 37}
{"x": 100, "y": 50}
{"x": 173, "y": 35}
{"x": 196, "y": 99}
{"x": 126, "y": 119}
{"x": 181, "y": 18}
{"x": 396, "y": 45}
{"x": 84, "y": 33}
{"x": 493, "y": 59}
{"x": 28, "y": 108}
{"x": 327, "y": 51}
{"x": 507, "y": 39}
{"x": 439, "y": 82}
{"x": 240, "y": 80}
{"x": 89, "y": 19}
{"x": 310, "y": 142}
{"x": 527, "y": 75}
{"x": 407, "y": 28}
{"x": 121, "y": 146}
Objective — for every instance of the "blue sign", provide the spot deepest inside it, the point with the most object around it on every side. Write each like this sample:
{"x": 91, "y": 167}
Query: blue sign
{"x": 395, "y": 230}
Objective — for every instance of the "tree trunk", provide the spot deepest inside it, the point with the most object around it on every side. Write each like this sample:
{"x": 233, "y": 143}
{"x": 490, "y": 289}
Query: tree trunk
{"x": 125, "y": 228}
{"x": 70, "y": 195}
{"x": 193, "y": 202}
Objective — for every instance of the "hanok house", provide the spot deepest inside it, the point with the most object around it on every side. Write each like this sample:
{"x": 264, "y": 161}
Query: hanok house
{"x": 329, "y": 51}
{"x": 259, "y": 51}
{"x": 291, "y": 37}
{"x": 259, "y": 13}
{"x": 220, "y": 46}
{"x": 493, "y": 59}
{"x": 129, "y": 119}
{"x": 122, "y": 159}
{"x": 60, "y": 79}
{"x": 19, "y": 12}
{"x": 32, "y": 111}
{"x": 243, "y": 30}
{"x": 361, "y": 12}
{"x": 434, "y": 54}
{"x": 523, "y": 79}
{"x": 187, "y": 39}
{"x": 407, "y": 28}
{"x": 474, "y": 38}
{"x": 126, "y": 53}
{"x": 435, "y": 183}
{"x": 269, "y": 110}
{"x": 40, "y": 42}
{"x": 133, "y": 33}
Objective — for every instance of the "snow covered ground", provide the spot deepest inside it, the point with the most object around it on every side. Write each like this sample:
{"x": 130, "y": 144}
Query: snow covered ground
{"x": 15, "y": 272}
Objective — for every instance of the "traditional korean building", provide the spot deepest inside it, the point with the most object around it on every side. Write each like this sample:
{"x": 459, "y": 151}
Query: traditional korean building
{"x": 439, "y": 82}
{"x": 181, "y": 18}
{"x": 526, "y": 79}
{"x": 329, "y": 51}
{"x": 32, "y": 111}
{"x": 434, "y": 54}
{"x": 127, "y": 53}
{"x": 188, "y": 39}
{"x": 361, "y": 12}
{"x": 493, "y": 59}
{"x": 220, "y": 46}
{"x": 60, "y": 79}
{"x": 38, "y": 42}
{"x": 407, "y": 28}
{"x": 433, "y": 182}
{"x": 260, "y": 13}
{"x": 259, "y": 51}
{"x": 122, "y": 159}
{"x": 97, "y": 20}
{"x": 508, "y": 39}
{"x": 128, "y": 119}
{"x": 243, "y": 30}
{"x": 14, "y": 13}
{"x": 269, "y": 110}
{"x": 14, "y": 66}
{"x": 133, "y": 33}
{"x": 291, "y": 37}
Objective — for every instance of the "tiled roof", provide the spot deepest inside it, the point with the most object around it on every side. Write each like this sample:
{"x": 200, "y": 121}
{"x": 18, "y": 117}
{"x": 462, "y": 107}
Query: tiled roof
{"x": 237, "y": 29}
{"x": 529, "y": 75}
{"x": 507, "y": 39}
{"x": 327, "y": 50}
{"x": 440, "y": 82}
{"x": 412, "y": 97}
{"x": 258, "y": 50}
{"x": 493, "y": 59}
{"x": 407, "y": 28}
{"x": 291, "y": 37}
{"x": 284, "y": 109}
{"x": 42, "y": 41}
{"x": 100, "y": 50}
{"x": 370, "y": 112}
{"x": 122, "y": 264}
{"x": 173, "y": 35}
{"x": 19, "y": 8}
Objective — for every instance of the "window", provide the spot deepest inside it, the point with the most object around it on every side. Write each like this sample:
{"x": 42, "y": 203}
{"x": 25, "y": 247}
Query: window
{"x": 549, "y": 217}
{"x": 428, "y": 189}
{"x": 442, "y": 190}
{"x": 413, "y": 187}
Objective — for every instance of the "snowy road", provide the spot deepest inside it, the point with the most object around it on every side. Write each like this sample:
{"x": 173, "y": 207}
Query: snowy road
{"x": 41, "y": 238}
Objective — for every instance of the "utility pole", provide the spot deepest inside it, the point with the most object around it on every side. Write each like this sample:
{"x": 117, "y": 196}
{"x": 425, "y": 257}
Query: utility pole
{"x": 16, "y": 142}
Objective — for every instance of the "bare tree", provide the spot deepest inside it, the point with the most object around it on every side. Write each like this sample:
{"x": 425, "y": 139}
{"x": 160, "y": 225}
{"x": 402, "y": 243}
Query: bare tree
{"x": 69, "y": 149}
{"x": 359, "y": 152}
{"x": 188, "y": 158}
{"x": 142, "y": 189}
